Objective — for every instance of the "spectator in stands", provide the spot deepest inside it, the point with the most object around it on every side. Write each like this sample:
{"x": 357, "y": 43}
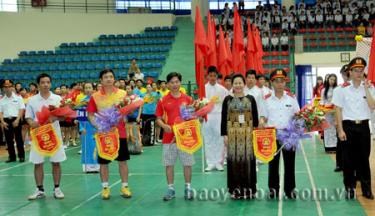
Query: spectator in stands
{"x": 117, "y": 84}
{"x": 345, "y": 8}
{"x": 302, "y": 20}
{"x": 133, "y": 69}
{"x": 275, "y": 42}
{"x": 18, "y": 88}
{"x": 33, "y": 89}
{"x": 265, "y": 26}
{"x": 241, "y": 5}
{"x": 348, "y": 19}
{"x": 336, "y": 5}
{"x": 372, "y": 11}
{"x": 139, "y": 89}
{"x": 284, "y": 41}
{"x": 57, "y": 90}
{"x": 311, "y": 19}
{"x": 356, "y": 18}
{"x": 132, "y": 83}
{"x": 266, "y": 17}
{"x": 225, "y": 15}
{"x": 318, "y": 87}
{"x": 329, "y": 19}
{"x": 64, "y": 90}
{"x": 361, "y": 29}
{"x": 338, "y": 19}
{"x": 258, "y": 23}
{"x": 138, "y": 75}
{"x": 265, "y": 41}
{"x": 369, "y": 30}
{"x": 293, "y": 26}
{"x": 276, "y": 20}
{"x": 365, "y": 16}
{"x": 292, "y": 9}
{"x": 228, "y": 82}
{"x": 230, "y": 23}
{"x": 284, "y": 16}
{"x": 319, "y": 19}
{"x": 285, "y": 25}
{"x": 301, "y": 5}
{"x": 122, "y": 84}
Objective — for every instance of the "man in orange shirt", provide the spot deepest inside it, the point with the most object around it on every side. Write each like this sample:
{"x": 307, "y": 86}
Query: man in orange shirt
{"x": 106, "y": 97}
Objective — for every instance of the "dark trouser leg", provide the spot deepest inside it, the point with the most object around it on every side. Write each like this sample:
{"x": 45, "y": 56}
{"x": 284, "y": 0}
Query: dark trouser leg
{"x": 339, "y": 159}
{"x": 9, "y": 137}
{"x": 364, "y": 149}
{"x": 19, "y": 141}
{"x": 273, "y": 173}
{"x": 349, "y": 156}
{"x": 289, "y": 167}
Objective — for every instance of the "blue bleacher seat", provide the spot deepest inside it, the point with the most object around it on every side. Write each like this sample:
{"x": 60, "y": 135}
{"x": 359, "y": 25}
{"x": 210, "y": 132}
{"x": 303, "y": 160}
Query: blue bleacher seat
{"x": 50, "y": 52}
{"x": 23, "y": 53}
{"x": 103, "y": 36}
{"x": 42, "y": 52}
{"x": 7, "y": 61}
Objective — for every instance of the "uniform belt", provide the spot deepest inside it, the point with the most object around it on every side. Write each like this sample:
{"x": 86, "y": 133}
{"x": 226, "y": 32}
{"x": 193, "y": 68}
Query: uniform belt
{"x": 357, "y": 122}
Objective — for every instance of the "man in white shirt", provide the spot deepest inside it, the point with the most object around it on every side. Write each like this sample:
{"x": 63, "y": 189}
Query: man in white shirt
{"x": 34, "y": 105}
{"x": 284, "y": 41}
{"x": 274, "y": 42}
{"x": 279, "y": 108}
{"x": 261, "y": 84}
{"x": 349, "y": 19}
{"x": 213, "y": 141}
{"x": 354, "y": 103}
{"x": 265, "y": 41}
{"x": 319, "y": 19}
{"x": 252, "y": 89}
{"x": 11, "y": 111}
{"x": 338, "y": 19}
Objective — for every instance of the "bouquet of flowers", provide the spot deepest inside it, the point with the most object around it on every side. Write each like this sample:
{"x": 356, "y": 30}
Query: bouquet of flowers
{"x": 313, "y": 118}
{"x": 62, "y": 110}
{"x": 110, "y": 117}
{"x": 308, "y": 119}
{"x": 200, "y": 108}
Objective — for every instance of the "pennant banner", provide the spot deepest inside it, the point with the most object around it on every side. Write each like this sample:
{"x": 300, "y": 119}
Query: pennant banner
{"x": 188, "y": 136}
{"x": 45, "y": 139}
{"x": 108, "y": 144}
{"x": 264, "y": 142}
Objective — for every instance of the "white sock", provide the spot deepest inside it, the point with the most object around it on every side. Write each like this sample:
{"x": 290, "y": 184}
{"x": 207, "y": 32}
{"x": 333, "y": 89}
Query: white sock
{"x": 124, "y": 184}
{"x": 188, "y": 185}
{"x": 170, "y": 186}
{"x": 105, "y": 184}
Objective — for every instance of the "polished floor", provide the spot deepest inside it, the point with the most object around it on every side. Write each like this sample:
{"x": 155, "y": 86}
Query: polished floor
{"x": 314, "y": 170}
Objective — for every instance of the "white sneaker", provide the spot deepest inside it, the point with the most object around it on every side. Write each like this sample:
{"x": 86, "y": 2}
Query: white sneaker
{"x": 80, "y": 152}
{"x": 65, "y": 147}
{"x": 58, "y": 194}
{"x": 37, "y": 195}
{"x": 209, "y": 168}
{"x": 219, "y": 167}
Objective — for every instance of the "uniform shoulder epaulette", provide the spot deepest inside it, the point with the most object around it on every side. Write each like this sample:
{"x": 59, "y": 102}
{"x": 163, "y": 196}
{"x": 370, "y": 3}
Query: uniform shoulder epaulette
{"x": 267, "y": 96}
{"x": 345, "y": 84}
{"x": 290, "y": 94}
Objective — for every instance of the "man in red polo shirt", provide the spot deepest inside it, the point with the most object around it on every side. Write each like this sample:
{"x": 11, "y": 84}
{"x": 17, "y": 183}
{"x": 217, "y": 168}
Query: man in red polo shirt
{"x": 167, "y": 111}
{"x": 104, "y": 98}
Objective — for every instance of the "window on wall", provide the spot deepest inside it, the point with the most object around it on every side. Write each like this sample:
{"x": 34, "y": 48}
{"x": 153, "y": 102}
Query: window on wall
{"x": 155, "y": 4}
{"x": 8, "y": 5}
{"x": 249, "y": 4}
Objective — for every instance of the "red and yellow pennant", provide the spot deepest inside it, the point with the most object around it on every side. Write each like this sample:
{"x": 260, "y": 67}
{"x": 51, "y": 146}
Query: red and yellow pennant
{"x": 45, "y": 139}
{"x": 264, "y": 141}
{"x": 108, "y": 144}
{"x": 188, "y": 135}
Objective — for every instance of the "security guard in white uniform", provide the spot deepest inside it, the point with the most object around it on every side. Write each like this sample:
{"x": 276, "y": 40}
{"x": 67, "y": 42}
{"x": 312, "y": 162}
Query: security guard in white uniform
{"x": 354, "y": 103}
